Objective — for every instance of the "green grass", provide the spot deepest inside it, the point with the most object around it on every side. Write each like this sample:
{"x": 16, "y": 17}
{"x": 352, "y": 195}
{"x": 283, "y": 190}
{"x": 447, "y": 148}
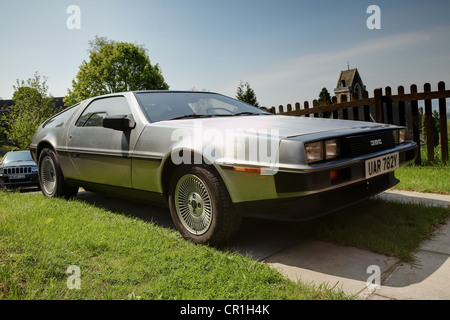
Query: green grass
{"x": 122, "y": 257}
{"x": 437, "y": 157}
{"x": 424, "y": 179}
{"x": 383, "y": 227}
{"x": 428, "y": 179}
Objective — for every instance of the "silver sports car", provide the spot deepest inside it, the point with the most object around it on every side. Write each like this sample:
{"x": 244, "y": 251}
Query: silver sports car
{"x": 213, "y": 159}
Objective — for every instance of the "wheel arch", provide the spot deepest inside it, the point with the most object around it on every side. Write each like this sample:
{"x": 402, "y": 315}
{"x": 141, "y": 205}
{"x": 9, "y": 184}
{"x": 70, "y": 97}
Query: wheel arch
{"x": 169, "y": 167}
{"x": 41, "y": 146}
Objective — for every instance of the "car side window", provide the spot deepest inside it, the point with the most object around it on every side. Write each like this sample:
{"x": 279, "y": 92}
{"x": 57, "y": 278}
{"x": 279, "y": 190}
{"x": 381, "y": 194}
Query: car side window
{"x": 93, "y": 115}
{"x": 59, "y": 119}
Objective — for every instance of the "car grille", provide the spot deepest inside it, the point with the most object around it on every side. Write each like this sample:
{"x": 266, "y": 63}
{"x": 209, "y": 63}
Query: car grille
{"x": 18, "y": 170}
{"x": 360, "y": 145}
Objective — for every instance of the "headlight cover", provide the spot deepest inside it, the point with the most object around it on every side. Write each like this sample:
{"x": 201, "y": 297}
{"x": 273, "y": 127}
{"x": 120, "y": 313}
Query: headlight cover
{"x": 332, "y": 149}
{"x": 400, "y": 136}
{"x": 322, "y": 150}
{"x": 314, "y": 151}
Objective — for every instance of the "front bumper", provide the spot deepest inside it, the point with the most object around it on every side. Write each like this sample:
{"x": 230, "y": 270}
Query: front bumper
{"x": 317, "y": 204}
{"x": 29, "y": 181}
{"x": 305, "y": 194}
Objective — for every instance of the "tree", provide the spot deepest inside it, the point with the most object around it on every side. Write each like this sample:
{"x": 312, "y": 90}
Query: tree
{"x": 246, "y": 94}
{"x": 114, "y": 67}
{"x": 32, "y": 105}
{"x": 324, "y": 94}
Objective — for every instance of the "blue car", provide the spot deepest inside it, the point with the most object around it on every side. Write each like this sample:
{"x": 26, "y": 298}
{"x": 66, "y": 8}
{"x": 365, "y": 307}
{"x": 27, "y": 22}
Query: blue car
{"x": 18, "y": 169}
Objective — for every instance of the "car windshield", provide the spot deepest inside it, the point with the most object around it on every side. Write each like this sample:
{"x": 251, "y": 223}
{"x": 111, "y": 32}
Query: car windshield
{"x": 17, "y": 156}
{"x": 160, "y": 106}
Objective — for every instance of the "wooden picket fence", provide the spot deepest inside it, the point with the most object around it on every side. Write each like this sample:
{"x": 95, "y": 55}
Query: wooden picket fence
{"x": 379, "y": 108}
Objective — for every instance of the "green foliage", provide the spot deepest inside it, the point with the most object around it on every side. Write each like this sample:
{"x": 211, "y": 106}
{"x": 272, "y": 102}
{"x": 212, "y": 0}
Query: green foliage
{"x": 324, "y": 94}
{"x": 32, "y": 105}
{"x": 246, "y": 94}
{"x": 114, "y": 67}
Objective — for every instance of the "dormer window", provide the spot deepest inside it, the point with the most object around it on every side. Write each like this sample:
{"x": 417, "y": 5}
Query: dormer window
{"x": 342, "y": 83}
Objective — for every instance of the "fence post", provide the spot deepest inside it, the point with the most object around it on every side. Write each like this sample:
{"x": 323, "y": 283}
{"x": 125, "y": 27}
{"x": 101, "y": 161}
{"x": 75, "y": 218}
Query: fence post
{"x": 401, "y": 107}
{"x": 416, "y": 124}
{"x": 325, "y": 114}
{"x": 366, "y": 107}
{"x": 429, "y": 126}
{"x": 315, "y": 105}
{"x": 280, "y": 109}
{"x": 378, "y": 95}
{"x": 289, "y": 107}
{"x": 306, "y": 106}
{"x": 355, "y": 110}
{"x": 344, "y": 111}
{"x": 389, "y": 111}
{"x": 335, "y": 112}
{"x": 297, "y": 106}
{"x": 443, "y": 124}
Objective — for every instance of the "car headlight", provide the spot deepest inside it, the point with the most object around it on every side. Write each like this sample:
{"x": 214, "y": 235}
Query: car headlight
{"x": 34, "y": 169}
{"x": 400, "y": 136}
{"x": 332, "y": 149}
{"x": 322, "y": 150}
{"x": 314, "y": 151}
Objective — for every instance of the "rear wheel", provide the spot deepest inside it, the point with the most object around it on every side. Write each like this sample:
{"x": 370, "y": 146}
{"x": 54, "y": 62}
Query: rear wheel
{"x": 51, "y": 179}
{"x": 201, "y": 207}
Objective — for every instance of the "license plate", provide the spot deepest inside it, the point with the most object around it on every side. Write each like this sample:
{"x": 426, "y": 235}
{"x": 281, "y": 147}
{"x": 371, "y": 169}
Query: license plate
{"x": 383, "y": 164}
{"x": 16, "y": 176}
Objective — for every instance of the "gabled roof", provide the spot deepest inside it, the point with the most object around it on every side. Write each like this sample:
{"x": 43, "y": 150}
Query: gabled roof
{"x": 349, "y": 76}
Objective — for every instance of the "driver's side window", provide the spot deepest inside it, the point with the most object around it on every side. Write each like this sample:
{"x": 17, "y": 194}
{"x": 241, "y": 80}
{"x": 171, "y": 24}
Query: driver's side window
{"x": 93, "y": 115}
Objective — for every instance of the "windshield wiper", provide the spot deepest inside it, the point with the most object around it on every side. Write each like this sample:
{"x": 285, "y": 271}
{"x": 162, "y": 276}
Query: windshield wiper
{"x": 191, "y": 116}
{"x": 247, "y": 113}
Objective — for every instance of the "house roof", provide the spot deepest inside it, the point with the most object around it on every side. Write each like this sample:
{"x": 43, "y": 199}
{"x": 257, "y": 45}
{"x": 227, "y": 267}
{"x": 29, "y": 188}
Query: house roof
{"x": 348, "y": 76}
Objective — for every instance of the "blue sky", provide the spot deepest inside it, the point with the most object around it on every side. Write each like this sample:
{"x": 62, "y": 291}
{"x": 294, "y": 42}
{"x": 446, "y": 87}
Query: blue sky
{"x": 288, "y": 50}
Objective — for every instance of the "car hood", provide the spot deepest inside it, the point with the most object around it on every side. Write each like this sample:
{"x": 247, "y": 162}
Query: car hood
{"x": 287, "y": 126}
{"x": 18, "y": 164}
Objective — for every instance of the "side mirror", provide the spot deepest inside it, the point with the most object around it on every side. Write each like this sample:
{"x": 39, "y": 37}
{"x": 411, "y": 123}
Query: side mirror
{"x": 119, "y": 122}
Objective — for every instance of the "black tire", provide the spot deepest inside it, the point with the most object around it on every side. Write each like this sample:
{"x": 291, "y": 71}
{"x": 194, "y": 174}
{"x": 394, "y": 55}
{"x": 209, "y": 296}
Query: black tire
{"x": 51, "y": 178}
{"x": 201, "y": 207}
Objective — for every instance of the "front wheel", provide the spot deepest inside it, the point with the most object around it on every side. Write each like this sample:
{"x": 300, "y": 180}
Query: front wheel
{"x": 201, "y": 207}
{"x": 51, "y": 179}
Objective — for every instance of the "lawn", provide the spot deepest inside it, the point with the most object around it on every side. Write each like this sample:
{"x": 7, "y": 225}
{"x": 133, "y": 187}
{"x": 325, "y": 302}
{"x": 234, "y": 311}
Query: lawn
{"x": 122, "y": 257}
{"x": 424, "y": 179}
{"x": 429, "y": 179}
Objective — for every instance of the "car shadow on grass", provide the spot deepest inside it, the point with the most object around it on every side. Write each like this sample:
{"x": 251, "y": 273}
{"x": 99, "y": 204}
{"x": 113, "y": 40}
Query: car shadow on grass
{"x": 143, "y": 211}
